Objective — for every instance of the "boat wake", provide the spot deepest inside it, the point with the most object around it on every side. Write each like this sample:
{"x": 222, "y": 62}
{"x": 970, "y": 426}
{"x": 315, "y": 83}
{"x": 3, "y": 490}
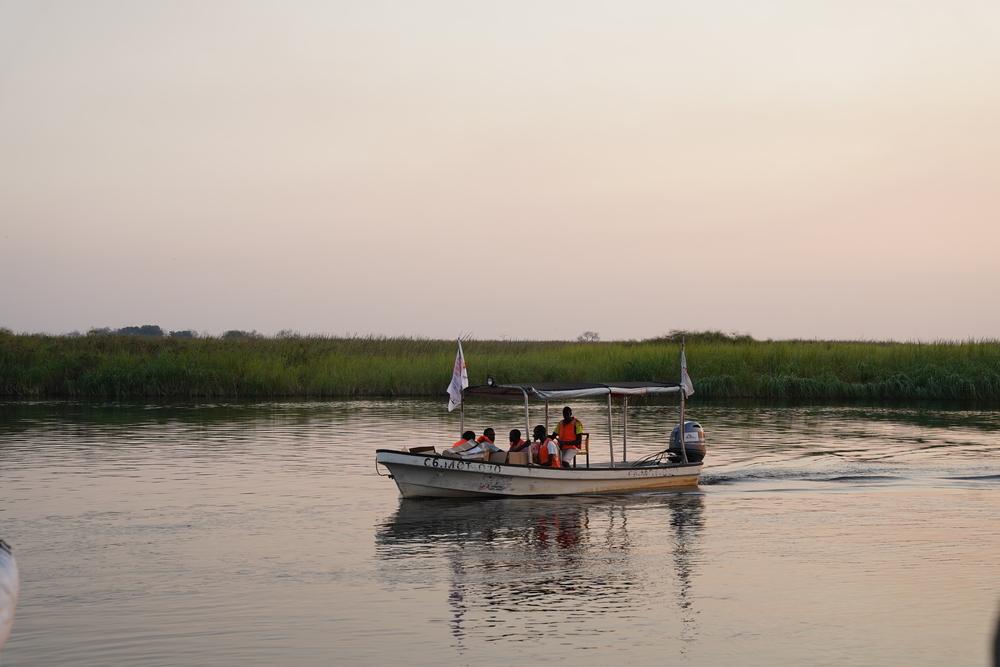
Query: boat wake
{"x": 783, "y": 476}
{"x": 976, "y": 478}
{"x": 710, "y": 479}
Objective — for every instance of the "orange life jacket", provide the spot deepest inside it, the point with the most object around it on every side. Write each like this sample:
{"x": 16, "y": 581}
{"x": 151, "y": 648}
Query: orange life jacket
{"x": 546, "y": 459}
{"x": 519, "y": 445}
{"x": 567, "y": 434}
{"x": 461, "y": 441}
{"x": 462, "y": 446}
{"x": 481, "y": 439}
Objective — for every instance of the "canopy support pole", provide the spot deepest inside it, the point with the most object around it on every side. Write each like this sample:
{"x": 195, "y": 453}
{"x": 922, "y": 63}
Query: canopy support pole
{"x": 611, "y": 434}
{"x": 546, "y": 416}
{"x": 527, "y": 417}
{"x": 461, "y": 428}
{"x": 625, "y": 430}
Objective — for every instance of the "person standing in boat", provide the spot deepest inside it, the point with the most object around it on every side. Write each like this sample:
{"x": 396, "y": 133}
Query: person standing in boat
{"x": 568, "y": 431}
{"x": 517, "y": 443}
{"x": 544, "y": 450}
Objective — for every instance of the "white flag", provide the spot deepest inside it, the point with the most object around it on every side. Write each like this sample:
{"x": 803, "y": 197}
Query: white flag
{"x": 459, "y": 380}
{"x": 686, "y": 383}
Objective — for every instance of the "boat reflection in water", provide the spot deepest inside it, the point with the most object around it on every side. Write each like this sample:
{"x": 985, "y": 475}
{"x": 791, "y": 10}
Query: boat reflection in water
{"x": 580, "y": 567}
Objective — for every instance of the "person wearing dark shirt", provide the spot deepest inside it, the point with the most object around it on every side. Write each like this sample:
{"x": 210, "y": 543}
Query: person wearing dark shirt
{"x": 517, "y": 443}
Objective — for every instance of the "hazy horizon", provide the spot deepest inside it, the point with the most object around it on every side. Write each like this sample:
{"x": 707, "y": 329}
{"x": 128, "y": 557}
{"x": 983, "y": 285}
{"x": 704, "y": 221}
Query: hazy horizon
{"x": 472, "y": 337}
{"x": 803, "y": 170}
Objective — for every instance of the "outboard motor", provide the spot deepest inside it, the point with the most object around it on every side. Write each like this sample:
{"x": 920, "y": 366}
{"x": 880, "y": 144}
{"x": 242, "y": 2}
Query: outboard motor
{"x": 694, "y": 442}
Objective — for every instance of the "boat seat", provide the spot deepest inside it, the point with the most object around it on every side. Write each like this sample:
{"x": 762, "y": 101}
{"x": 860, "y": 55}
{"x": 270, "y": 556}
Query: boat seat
{"x": 423, "y": 450}
{"x": 584, "y": 449}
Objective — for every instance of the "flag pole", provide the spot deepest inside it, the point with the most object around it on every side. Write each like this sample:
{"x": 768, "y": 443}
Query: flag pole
{"x": 684, "y": 454}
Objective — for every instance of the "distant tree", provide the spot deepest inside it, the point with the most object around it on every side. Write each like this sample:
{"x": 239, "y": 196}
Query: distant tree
{"x": 186, "y": 333}
{"x": 288, "y": 333}
{"x": 235, "y": 334}
{"x": 101, "y": 331}
{"x": 150, "y": 330}
{"x": 676, "y": 335}
{"x": 588, "y": 337}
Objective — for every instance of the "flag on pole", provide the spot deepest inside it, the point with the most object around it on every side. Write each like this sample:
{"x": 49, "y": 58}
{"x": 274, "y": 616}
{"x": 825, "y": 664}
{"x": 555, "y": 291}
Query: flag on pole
{"x": 459, "y": 380}
{"x": 686, "y": 383}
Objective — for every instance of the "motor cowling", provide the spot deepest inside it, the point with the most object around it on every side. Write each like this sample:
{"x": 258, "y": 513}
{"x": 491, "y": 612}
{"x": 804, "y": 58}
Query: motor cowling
{"x": 694, "y": 442}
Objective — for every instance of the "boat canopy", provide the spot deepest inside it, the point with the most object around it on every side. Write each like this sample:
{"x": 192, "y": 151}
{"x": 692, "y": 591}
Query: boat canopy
{"x": 566, "y": 391}
{"x": 553, "y": 391}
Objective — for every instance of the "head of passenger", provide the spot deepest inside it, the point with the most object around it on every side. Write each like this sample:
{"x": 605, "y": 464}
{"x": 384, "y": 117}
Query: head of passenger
{"x": 538, "y": 433}
{"x": 567, "y": 412}
{"x": 515, "y": 436}
{"x": 490, "y": 434}
{"x": 469, "y": 435}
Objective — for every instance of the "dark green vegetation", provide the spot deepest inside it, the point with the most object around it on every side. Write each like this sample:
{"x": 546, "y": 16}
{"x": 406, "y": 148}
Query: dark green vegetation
{"x": 121, "y": 366}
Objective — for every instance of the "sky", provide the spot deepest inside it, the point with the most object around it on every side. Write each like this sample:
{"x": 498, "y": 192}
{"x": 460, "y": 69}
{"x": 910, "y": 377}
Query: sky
{"x": 530, "y": 170}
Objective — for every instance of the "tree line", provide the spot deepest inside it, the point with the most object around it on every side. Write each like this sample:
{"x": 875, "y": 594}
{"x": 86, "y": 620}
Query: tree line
{"x": 156, "y": 331}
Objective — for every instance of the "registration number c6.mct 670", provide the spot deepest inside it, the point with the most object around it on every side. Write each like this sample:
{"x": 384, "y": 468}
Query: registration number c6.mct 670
{"x": 459, "y": 464}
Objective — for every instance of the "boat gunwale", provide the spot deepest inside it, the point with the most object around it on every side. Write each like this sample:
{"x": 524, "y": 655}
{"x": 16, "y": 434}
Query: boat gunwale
{"x": 669, "y": 466}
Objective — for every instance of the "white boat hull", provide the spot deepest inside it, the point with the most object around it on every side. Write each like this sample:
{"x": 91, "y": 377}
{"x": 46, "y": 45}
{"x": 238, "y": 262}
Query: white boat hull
{"x": 432, "y": 476}
{"x": 9, "y": 589}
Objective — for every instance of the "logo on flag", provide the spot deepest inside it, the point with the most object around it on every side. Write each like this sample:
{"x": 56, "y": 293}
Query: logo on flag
{"x": 459, "y": 380}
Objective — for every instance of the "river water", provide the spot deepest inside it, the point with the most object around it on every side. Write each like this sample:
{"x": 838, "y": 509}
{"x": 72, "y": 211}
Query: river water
{"x": 261, "y": 535}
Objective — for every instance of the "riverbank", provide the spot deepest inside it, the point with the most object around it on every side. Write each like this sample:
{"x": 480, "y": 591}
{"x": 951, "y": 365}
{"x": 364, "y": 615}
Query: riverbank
{"x": 129, "y": 367}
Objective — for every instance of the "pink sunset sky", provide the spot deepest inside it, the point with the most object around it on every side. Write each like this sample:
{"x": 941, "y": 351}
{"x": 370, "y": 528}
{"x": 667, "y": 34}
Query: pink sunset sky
{"x": 511, "y": 169}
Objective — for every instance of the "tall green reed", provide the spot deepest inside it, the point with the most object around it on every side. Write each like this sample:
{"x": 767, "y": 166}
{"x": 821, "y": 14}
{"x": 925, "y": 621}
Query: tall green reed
{"x": 127, "y": 367}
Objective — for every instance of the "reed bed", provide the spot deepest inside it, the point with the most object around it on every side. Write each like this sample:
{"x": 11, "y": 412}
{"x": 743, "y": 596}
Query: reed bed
{"x": 132, "y": 367}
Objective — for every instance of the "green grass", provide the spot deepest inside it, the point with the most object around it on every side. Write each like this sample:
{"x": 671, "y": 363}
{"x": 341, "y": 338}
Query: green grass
{"x": 128, "y": 367}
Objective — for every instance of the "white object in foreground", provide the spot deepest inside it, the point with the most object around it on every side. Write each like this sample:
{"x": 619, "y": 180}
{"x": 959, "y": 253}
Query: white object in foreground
{"x": 9, "y": 589}
{"x": 429, "y": 475}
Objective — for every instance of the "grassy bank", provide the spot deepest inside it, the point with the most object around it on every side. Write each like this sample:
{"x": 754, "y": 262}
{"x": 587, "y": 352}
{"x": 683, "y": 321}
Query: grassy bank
{"x": 128, "y": 367}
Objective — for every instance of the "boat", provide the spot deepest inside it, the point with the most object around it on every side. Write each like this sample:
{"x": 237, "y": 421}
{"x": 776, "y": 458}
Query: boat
{"x": 421, "y": 472}
{"x": 9, "y": 588}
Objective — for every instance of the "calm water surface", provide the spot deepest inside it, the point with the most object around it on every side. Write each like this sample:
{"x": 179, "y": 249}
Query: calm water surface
{"x": 261, "y": 535}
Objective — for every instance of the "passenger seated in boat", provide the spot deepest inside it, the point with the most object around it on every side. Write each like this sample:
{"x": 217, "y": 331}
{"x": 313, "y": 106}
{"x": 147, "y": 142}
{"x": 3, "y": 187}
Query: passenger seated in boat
{"x": 463, "y": 447}
{"x": 517, "y": 443}
{"x": 544, "y": 450}
{"x": 487, "y": 439}
{"x": 568, "y": 431}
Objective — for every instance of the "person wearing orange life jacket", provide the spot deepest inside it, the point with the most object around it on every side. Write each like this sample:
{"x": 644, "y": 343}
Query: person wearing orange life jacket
{"x": 487, "y": 439}
{"x": 568, "y": 431}
{"x": 465, "y": 447}
{"x": 517, "y": 443}
{"x": 544, "y": 450}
